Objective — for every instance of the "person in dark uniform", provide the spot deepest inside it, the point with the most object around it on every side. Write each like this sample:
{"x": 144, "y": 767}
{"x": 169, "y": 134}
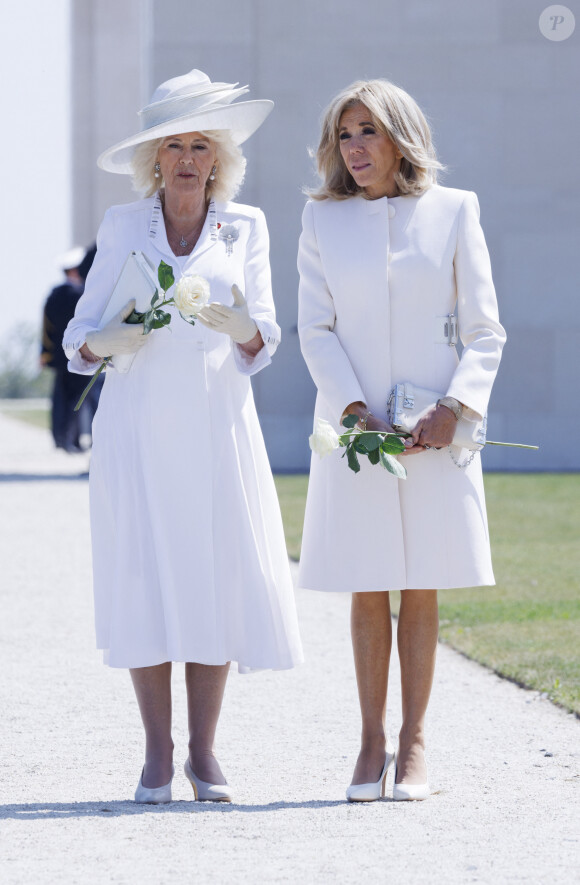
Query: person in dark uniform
{"x": 68, "y": 426}
{"x": 87, "y": 262}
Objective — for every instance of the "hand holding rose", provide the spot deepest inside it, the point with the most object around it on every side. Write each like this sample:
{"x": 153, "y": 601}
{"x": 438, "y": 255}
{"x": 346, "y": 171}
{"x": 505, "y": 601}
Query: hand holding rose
{"x": 434, "y": 431}
{"x": 117, "y": 337}
{"x": 379, "y": 446}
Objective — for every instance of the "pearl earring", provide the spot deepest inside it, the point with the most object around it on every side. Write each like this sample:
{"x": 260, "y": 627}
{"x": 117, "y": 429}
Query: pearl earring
{"x": 157, "y": 168}
{"x": 213, "y": 172}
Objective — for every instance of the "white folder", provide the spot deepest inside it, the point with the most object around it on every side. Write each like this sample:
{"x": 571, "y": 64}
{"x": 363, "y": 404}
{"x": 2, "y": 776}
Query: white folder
{"x": 137, "y": 280}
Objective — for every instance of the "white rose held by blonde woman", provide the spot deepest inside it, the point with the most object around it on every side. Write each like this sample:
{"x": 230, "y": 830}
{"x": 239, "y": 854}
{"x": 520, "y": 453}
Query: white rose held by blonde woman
{"x": 379, "y": 448}
{"x": 191, "y": 294}
{"x": 325, "y": 439}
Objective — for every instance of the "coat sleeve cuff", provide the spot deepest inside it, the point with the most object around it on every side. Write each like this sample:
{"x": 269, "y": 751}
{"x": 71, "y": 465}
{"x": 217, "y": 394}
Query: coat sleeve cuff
{"x": 80, "y": 366}
{"x": 249, "y": 365}
{"x": 77, "y": 364}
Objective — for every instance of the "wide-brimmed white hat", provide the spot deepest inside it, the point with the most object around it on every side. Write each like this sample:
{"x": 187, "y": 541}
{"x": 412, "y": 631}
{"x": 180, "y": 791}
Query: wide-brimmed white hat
{"x": 189, "y": 103}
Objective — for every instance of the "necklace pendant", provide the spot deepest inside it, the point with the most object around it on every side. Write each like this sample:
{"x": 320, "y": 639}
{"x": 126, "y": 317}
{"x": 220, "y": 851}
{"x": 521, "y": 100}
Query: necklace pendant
{"x": 183, "y": 243}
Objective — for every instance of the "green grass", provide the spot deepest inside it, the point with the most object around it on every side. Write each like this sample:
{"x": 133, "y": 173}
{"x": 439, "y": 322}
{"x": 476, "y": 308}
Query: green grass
{"x": 527, "y": 627}
{"x": 37, "y": 417}
{"x": 292, "y": 495}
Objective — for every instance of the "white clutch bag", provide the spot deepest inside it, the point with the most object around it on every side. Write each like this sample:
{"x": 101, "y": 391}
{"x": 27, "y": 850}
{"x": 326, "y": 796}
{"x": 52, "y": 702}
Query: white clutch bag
{"x": 138, "y": 280}
{"x": 407, "y": 404}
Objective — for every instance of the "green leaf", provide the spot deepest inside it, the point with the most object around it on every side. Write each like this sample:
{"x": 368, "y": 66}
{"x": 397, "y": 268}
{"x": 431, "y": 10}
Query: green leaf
{"x": 359, "y": 447}
{"x": 371, "y": 441}
{"x": 392, "y": 465}
{"x": 134, "y": 318}
{"x": 352, "y": 459}
{"x": 188, "y": 319}
{"x": 374, "y": 456}
{"x": 148, "y": 322}
{"x": 155, "y": 297}
{"x": 165, "y": 276}
{"x": 350, "y": 420}
{"x": 160, "y": 318}
{"x": 393, "y": 445}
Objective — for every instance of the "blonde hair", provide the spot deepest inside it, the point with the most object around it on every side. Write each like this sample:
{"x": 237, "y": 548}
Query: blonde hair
{"x": 230, "y": 173}
{"x": 394, "y": 113}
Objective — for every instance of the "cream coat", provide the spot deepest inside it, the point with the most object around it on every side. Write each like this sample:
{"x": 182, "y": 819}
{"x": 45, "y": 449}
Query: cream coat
{"x": 189, "y": 557}
{"x": 376, "y": 279}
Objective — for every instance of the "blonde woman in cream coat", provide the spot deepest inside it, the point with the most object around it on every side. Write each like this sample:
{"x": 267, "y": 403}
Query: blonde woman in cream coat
{"x": 386, "y": 254}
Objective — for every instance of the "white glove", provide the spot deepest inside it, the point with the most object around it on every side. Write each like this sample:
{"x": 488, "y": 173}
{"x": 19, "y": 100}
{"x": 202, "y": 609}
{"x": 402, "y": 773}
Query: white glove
{"x": 233, "y": 321}
{"x": 117, "y": 337}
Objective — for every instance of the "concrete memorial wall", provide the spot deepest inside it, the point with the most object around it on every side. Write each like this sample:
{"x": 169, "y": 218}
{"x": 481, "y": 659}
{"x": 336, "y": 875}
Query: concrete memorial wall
{"x": 502, "y": 99}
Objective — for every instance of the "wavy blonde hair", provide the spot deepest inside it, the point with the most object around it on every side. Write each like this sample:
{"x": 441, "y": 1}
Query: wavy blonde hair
{"x": 231, "y": 165}
{"x": 394, "y": 113}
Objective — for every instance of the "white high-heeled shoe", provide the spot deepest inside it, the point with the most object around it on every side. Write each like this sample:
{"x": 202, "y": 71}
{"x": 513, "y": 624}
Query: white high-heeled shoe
{"x": 153, "y": 795}
{"x": 205, "y": 792}
{"x": 409, "y": 792}
{"x": 372, "y": 792}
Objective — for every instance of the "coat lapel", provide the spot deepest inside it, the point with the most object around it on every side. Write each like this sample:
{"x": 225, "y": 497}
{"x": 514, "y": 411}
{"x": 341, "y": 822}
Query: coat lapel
{"x": 208, "y": 236}
{"x": 158, "y": 235}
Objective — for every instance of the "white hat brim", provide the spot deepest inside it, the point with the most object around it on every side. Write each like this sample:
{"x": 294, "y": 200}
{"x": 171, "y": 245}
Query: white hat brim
{"x": 70, "y": 259}
{"x": 241, "y": 119}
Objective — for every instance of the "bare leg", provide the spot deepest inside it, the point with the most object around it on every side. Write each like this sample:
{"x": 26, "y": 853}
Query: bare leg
{"x": 371, "y": 632}
{"x": 417, "y": 641}
{"x": 153, "y": 689}
{"x": 205, "y": 692}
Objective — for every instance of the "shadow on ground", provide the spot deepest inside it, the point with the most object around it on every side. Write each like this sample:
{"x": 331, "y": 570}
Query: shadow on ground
{"x": 60, "y": 810}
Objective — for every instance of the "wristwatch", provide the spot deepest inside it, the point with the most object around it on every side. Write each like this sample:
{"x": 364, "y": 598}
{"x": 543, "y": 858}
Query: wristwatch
{"x": 452, "y": 404}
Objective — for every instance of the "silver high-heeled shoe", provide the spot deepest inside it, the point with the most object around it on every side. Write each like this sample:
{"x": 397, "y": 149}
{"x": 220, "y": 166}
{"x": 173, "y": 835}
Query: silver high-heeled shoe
{"x": 205, "y": 792}
{"x": 372, "y": 792}
{"x": 153, "y": 795}
{"x": 409, "y": 792}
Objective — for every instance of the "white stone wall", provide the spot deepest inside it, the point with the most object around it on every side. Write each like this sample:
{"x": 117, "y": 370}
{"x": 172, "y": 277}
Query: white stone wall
{"x": 107, "y": 74}
{"x": 503, "y": 103}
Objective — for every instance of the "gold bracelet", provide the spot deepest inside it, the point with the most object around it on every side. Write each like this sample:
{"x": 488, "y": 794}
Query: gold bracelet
{"x": 362, "y": 423}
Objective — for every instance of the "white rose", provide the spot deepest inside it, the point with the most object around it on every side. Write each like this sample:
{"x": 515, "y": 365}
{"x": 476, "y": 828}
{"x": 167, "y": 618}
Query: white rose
{"x": 324, "y": 440}
{"x": 191, "y": 294}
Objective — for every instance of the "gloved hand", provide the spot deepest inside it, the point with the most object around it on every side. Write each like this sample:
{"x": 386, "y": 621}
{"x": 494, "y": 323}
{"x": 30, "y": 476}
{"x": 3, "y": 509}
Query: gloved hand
{"x": 233, "y": 321}
{"x": 117, "y": 337}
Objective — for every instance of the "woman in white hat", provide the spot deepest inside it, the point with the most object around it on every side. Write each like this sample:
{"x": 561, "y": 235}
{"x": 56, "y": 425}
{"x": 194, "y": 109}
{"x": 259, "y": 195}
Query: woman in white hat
{"x": 188, "y": 548}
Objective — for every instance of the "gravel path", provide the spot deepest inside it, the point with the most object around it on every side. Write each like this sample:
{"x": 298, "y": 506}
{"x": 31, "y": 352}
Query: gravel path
{"x": 504, "y": 763}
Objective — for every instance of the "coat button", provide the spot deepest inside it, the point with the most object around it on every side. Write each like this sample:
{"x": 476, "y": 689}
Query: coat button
{"x": 392, "y": 211}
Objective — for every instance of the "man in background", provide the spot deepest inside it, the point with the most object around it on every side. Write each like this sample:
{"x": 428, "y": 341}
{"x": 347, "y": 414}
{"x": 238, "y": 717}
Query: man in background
{"x": 69, "y": 428}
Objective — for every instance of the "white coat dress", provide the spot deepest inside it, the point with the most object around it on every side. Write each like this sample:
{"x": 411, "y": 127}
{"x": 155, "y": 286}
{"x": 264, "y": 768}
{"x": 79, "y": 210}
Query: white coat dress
{"x": 189, "y": 557}
{"x": 377, "y": 279}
